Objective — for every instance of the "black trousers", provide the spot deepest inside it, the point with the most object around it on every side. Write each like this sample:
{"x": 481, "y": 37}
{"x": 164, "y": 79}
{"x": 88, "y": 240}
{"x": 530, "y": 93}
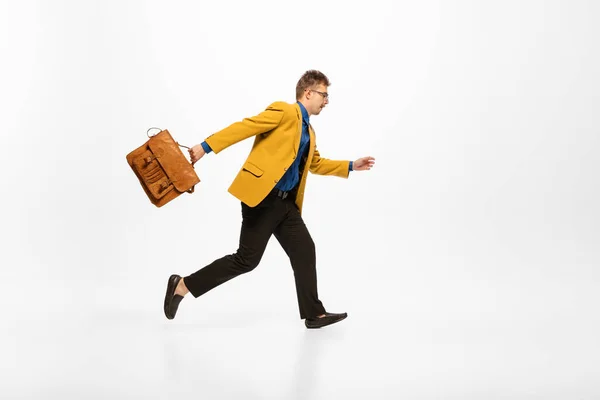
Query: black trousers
{"x": 273, "y": 216}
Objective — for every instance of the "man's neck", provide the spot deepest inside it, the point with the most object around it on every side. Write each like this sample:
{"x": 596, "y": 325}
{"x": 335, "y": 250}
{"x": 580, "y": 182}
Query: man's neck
{"x": 300, "y": 101}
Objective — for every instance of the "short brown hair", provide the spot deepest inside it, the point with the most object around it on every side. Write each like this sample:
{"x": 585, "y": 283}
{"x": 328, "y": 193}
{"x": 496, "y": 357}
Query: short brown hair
{"x": 309, "y": 79}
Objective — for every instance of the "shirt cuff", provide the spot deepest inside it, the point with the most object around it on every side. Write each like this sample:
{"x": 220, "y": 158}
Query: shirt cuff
{"x": 206, "y": 147}
{"x": 350, "y": 166}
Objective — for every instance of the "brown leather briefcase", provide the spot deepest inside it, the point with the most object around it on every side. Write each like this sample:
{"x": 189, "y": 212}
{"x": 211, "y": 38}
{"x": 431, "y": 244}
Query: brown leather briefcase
{"x": 162, "y": 169}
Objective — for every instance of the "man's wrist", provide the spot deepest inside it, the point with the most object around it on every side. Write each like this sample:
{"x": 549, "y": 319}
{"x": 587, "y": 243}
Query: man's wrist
{"x": 206, "y": 147}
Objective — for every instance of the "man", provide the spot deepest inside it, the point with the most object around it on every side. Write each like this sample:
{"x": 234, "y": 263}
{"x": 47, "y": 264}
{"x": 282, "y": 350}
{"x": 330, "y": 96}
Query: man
{"x": 270, "y": 186}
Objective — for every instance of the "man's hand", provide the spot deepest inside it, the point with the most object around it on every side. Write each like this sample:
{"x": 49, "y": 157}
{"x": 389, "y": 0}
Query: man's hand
{"x": 196, "y": 153}
{"x": 363, "y": 164}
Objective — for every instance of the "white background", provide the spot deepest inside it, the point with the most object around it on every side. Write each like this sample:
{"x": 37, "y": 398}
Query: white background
{"x": 467, "y": 259}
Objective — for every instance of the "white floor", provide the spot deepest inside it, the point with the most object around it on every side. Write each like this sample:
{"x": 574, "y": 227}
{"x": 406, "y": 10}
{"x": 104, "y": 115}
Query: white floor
{"x": 420, "y": 345}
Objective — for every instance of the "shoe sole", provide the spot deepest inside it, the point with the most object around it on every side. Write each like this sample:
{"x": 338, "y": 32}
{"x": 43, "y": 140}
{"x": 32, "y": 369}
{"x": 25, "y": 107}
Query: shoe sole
{"x": 171, "y": 286}
{"x": 327, "y": 324}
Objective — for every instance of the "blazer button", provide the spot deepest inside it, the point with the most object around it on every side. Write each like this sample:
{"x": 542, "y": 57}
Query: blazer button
{"x": 285, "y": 169}
{"x": 276, "y": 181}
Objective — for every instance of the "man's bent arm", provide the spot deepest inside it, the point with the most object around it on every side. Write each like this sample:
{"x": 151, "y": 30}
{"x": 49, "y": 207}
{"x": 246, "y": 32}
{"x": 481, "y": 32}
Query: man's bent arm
{"x": 324, "y": 166}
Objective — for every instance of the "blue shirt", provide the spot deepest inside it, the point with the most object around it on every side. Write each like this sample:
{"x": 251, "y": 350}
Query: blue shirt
{"x": 290, "y": 179}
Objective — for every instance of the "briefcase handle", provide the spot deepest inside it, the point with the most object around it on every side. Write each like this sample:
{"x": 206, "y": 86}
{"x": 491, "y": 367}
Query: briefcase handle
{"x": 149, "y": 129}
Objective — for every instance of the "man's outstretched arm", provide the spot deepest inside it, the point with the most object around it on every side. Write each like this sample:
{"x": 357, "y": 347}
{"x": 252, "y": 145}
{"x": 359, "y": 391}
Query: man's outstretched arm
{"x": 238, "y": 131}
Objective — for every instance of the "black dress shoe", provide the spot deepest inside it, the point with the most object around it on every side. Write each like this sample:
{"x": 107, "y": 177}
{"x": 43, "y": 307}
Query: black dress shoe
{"x": 328, "y": 319}
{"x": 172, "y": 300}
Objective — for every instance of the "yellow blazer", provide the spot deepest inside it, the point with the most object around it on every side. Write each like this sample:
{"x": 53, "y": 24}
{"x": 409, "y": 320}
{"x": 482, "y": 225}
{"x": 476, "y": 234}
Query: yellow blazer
{"x": 277, "y": 132}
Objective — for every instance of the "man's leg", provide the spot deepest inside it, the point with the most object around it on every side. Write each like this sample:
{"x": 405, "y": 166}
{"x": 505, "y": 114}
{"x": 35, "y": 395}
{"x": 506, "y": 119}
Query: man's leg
{"x": 257, "y": 227}
{"x": 296, "y": 241}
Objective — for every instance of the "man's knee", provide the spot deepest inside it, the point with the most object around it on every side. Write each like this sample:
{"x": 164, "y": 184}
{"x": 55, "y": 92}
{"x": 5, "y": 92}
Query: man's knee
{"x": 246, "y": 262}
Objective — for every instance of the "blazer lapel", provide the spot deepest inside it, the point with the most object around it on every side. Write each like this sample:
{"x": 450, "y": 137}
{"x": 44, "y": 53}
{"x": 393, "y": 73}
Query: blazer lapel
{"x": 311, "y": 143}
{"x": 299, "y": 133}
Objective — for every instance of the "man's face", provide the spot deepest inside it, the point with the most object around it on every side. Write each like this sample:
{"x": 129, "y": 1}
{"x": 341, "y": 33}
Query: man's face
{"x": 317, "y": 98}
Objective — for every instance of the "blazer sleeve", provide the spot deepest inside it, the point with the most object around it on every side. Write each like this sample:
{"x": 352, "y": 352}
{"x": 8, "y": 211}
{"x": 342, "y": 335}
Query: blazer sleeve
{"x": 325, "y": 166}
{"x": 251, "y": 126}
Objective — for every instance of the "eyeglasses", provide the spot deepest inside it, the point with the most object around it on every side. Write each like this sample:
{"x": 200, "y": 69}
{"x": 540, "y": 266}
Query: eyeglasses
{"x": 325, "y": 95}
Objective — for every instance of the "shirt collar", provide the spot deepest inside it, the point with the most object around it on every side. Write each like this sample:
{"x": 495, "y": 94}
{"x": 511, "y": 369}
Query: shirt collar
{"x": 305, "y": 117}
